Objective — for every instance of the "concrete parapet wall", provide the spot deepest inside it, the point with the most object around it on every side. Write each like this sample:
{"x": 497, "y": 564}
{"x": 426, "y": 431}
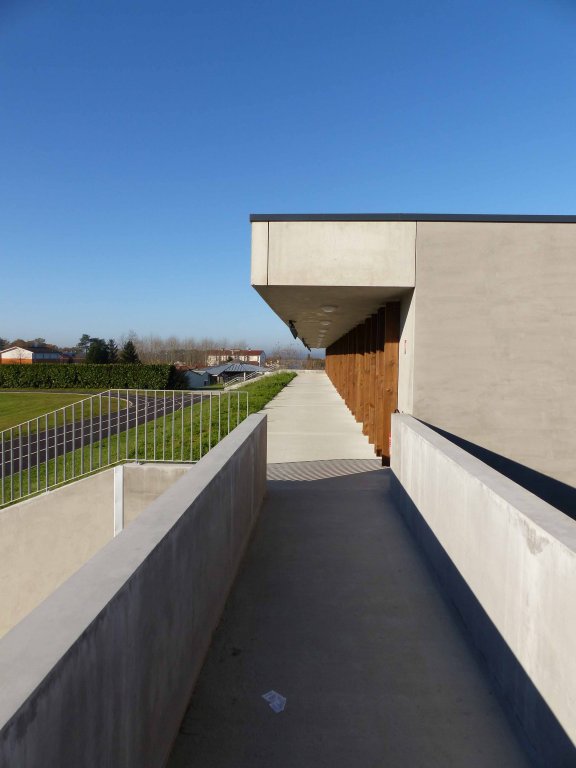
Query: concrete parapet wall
{"x": 144, "y": 483}
{"x": 100, "y": 673}
{"x": 45, "y": 539}
{"x": 508, "y": 562}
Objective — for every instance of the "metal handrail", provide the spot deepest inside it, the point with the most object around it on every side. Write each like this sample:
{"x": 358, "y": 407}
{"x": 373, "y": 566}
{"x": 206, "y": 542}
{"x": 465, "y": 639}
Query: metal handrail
{"x": 113, "y": 427}
{"x": 242, "y": 379}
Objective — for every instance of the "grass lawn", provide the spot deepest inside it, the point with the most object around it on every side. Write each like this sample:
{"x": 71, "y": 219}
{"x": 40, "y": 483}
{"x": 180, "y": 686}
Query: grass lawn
{"x": 18, "y": 407}
{"x": 185, "y": 435}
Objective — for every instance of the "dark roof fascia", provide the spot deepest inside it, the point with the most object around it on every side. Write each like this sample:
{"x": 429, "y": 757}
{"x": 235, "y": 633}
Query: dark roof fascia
{"x": 471, "y": 217}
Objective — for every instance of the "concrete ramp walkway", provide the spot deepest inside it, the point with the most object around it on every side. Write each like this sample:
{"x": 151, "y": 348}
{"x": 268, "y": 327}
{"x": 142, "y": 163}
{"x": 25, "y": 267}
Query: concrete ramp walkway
{"x": 308, "y": 421}
{"x": 335, "y": 609}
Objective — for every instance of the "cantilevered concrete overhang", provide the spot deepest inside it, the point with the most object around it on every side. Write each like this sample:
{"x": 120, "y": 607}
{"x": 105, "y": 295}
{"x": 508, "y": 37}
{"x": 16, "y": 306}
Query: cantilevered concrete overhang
{"x": 327, "y": 272}
{"x": 323, "y": 277}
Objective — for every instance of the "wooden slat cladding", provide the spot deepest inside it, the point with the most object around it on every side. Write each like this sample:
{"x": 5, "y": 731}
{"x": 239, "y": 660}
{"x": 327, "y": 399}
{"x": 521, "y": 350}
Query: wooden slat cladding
{"x": 363, "y": 366}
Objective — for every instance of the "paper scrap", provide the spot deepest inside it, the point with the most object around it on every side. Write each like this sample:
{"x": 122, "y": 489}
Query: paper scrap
{"x": 275, "y": 700}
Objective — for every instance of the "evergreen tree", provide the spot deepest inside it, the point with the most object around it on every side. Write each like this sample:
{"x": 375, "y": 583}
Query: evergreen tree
{"x": 129, "y": 354}
{"x": 112, "y": 351}
{"x": 84, "y": 343}
{"x": 97, "y": 351}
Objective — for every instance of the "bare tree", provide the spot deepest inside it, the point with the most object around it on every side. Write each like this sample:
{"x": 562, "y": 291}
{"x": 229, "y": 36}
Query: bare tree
{"x": 171, "y": 349}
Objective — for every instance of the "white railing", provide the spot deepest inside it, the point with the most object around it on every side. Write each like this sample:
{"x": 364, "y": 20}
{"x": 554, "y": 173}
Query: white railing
{"x": 121, "y": 425}
{"x": 242, "y": 379}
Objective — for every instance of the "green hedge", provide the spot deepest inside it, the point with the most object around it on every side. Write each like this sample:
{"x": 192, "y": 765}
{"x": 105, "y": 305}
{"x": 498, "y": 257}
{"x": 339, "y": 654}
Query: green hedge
{"x": 46, "y": 376}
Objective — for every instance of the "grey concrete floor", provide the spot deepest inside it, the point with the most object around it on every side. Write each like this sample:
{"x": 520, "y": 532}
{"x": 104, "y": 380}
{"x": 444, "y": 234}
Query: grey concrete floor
{"x": 309, "y": 421}
{"x": 335, "y": 609}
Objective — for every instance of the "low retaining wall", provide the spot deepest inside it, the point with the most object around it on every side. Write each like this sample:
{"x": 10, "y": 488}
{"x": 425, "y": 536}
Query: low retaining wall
{"x": 507, "y": 560}
{"x": 47, "y": 538}
{"x": 101, "y": 672}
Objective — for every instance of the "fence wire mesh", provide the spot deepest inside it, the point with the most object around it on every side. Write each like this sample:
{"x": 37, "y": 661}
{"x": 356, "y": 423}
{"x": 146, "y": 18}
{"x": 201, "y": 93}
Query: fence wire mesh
{"x": 121, "y": 425}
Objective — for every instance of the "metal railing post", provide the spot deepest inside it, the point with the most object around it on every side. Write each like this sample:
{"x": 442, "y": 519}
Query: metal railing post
{"x": 56, "y": 448}
{"x": 136, "y": 439}
{"x": 210, "y": 423}
{"x": 127, "y": 421}
{"x": 191, "y": 427}
{"x": 155, "y": 412}
{"x": 164, "y": 427}
{"x": 28, "y": 457}
{"x": 64, "y": 444}
{"x": 117, "y": 425}
{"x": 200, "y": 432}
{"x": 3, "y": 462}
{"x": 19, "y": 460}
{"x": 109, "y": 441}
{"x": 38, "y": 481}
{"x": 145, "y": 425}
{"x": 100, "y": 429}
{"x": 73, "y": 440}
{"x": 173, "y": 423}
{"x": 182, "y": 427}
{"x": 91, "y": 430}
{"x": 46, "y": 450}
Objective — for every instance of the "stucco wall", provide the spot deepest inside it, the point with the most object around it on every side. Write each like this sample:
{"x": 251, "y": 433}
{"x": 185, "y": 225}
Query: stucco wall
{"x": 17, "y": 354}
{"x": 406, "y": 354}
{"x": 101, "y": 672}
{"x": 143, "y": 483}
{"x": 44, "y": 540}
{"x": 495, "y": 338}
{"x": 333, "y": 253}
{"x": 508, "y": 561}
{"x": 47, "y": 538}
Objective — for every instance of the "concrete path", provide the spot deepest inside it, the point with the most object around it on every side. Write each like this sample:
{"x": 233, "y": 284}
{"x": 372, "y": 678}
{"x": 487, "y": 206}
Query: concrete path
{"x": 335, "y": 609}
{"x": 308, "y": 421}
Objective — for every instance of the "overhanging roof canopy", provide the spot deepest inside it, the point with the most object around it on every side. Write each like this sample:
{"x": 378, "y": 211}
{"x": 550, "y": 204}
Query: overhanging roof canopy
{"x": 325, "y": 276}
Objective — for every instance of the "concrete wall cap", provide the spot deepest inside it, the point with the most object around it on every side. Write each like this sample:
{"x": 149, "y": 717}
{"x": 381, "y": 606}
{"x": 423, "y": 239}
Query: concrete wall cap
{"x": 31, "y": 650}
{"x": 544, "y": 515}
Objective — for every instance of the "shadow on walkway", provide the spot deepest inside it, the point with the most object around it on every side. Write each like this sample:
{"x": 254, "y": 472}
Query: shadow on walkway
{"x": 335, "y": 609}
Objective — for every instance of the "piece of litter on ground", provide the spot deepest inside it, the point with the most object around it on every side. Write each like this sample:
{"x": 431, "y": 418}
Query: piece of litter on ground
{"x": 275, "y": 700}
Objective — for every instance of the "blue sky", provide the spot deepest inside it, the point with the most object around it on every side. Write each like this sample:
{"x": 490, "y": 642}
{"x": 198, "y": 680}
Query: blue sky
{"x": 137, "y": 137}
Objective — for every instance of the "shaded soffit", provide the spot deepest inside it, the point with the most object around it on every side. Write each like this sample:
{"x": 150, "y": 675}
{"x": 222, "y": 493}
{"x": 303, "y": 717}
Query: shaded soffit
{"x": 322, "y": 314}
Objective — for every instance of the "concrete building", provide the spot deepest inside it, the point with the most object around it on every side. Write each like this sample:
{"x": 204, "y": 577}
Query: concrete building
{"x": 465, "y": 325}
{"x": 465, "y": 322}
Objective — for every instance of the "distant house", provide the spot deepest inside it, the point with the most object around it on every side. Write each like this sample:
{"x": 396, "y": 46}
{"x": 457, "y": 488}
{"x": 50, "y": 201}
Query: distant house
{"x": 195, "y": 376}
{"x": 33, "y": 354}
{"x": 232, "y": 370}
{"x": 196, "y": 379}
{"x": 218, "y": 356}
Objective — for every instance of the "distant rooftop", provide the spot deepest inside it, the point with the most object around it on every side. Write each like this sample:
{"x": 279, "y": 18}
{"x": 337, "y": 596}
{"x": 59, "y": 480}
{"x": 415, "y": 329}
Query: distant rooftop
{"x": 34, "y": 348}
{"x": 233, "y": 367}
{"x": 232, "y": 350}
